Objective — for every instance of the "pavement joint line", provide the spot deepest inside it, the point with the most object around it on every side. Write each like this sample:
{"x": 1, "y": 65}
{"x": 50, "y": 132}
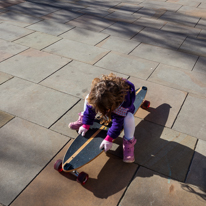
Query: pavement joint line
{"x": 66, "y": 31}
{"x": 152, "y": 71}
{"x": 188, "y": 170}
{"x": 13, "y": 41}
{"x": 102, "y": 41}
{"x": 135, "y": 173}
{"x": 51, "y": 43}
{"x": 7, "y": 79}
{"x": 102, "y": 57}
{"x": 64, "y": 113}
{"x": 134, "y": 48}
{"x": 14, "y": 54}
{"x": 33, "y": 24}
{"x": 195, "y": 63}
{"x": 8, "y": 120}
{"x": 38, "y": 173}
{"x": 55, "y": 72}
{"x": 180, "y": 110}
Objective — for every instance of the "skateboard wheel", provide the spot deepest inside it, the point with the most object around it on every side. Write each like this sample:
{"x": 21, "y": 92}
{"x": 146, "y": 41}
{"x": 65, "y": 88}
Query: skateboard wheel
{"x": 82, "y": 178}
{"x": 145, "y": 105}
{"x": 58, "y": 165}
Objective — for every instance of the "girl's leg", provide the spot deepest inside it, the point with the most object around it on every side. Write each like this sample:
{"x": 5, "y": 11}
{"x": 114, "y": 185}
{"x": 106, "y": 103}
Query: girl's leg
{"x": 129, "y": 141}
{"x": 76, "y": 125}
{"x": 129, "y": 126}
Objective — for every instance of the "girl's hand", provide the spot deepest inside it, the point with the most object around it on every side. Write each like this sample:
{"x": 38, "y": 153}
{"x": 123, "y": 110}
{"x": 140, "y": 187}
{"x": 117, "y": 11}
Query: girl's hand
{"x": 82, "y": 130}
{"x": 106, "y": 145}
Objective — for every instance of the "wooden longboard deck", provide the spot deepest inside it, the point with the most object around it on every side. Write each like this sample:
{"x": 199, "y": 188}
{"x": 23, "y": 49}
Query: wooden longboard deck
{"x": 85, "y": 149}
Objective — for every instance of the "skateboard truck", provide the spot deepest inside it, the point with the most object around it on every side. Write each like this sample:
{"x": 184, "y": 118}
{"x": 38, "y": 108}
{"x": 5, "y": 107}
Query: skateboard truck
{"x": 82, "y": 177}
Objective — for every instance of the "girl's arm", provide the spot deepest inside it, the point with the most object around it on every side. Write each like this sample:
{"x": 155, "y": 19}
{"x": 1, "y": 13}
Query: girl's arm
{"x": 117, "y": 126}
{"x": 89, "y": 115}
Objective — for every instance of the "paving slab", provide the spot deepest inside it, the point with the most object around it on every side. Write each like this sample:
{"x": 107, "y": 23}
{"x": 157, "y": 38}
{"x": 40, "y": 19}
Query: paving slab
{"x": 168, "y": 98}
{"x": 4, "y": 118}
{"x": 123, "y": 30}
{"x": 90, "y": 22}
{"x": 50, "y": 27}
{"x": 191, "y": 11}
{"x": 182, "y": 30}
{"x": 76, "y": 78}
{"x": 162, "y": 149}
{"x": 200, "y": 65}
{"x": 95, "y": 12}
{"x": 127, "y": 64}
{"x": 181, "y": 79}
{"x": 9, "y": 49}
{"x": 194, "y": 46}
{"x": 11, "y": 32}
{"x": 202, "y": 5}
{"x": 4, "y": 77}
{"x": 151, "y": 188}
{"x": 160, "y": 5}
{"x": 152, "y": 23}
{"x": 196, "y": 174}
{"x": 193, "y": 3}
{"x": 122, "y": 17}
{"x": 201, "y": 24}
{"x": 118, "y": 44}
{"x": 62, "y": 16}
{"x": 128, "y": 8}
{"x": 76, "y": 50}
{"x": 166, "y": 56}
{"x": 19, "y": 19}
{"x": 202, "y": 34}
{"x": 33, "y": 65}
{"x": 25, "y": 150}
{"x": 33, "y": 9}
{"x": 99, "y": 4}
{"x": 34, "y": 102}
{"x": 61, "y": 126}
{"x": 37, "y": 40}
{"x": 191, "y": 119}
{"x": 60, "y": 189}
{"x": 160, "y": 38}
{"x": 150, "y": 13}
{"x": 180, "y": 18}
{"x": 84, "y": 36}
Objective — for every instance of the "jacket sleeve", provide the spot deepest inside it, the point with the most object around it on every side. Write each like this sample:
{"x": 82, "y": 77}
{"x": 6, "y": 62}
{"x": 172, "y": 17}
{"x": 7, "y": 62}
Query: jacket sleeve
{"x": 117, "y": 126}
{"x": 89, "y": 115}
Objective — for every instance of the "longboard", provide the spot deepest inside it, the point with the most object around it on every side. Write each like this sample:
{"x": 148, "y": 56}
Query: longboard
{"x": 84, "y": 149}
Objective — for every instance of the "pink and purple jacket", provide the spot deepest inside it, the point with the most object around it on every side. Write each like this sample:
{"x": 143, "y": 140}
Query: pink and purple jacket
{"x": 117, "y": 115}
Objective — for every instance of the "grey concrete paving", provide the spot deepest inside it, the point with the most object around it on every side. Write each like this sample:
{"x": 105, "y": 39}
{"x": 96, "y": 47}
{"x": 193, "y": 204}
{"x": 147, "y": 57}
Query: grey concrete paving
{"x": 26, "y": 155}
{"x": 37, "y": 40}
{"x": 160, "y": 38}
{"x": 8, "y": 49}
{"x": 77, "y": 50}
{"x": 11, "y": 32}
{"x": 128, "y": 64}
{"x": 50, "y": 51}
{"x": 33, "y": 65}
{"x": 189, "y": 119}
{"x": 84, "y": 36}
{"x": 166, "y": 56}
{"x": 50, "y": 27}
{"x": 68, "y": 83}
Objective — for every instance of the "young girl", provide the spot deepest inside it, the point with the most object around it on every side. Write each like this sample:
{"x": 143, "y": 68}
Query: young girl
{"x": 113, "y": 98}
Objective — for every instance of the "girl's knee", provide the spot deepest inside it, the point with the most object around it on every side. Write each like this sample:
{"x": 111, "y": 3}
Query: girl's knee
{"x": 129, "y": 118}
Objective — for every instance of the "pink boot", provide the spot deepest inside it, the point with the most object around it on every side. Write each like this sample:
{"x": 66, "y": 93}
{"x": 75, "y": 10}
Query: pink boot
{"x": 76, "y": 125}
{"x": 128, "y": 150}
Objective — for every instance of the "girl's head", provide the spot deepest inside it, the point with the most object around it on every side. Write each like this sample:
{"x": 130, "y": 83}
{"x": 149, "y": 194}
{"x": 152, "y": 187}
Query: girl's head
{"x": 107, "y": 94}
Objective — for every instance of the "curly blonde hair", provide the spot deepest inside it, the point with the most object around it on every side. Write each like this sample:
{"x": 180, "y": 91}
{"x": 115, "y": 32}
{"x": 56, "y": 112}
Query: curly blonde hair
{"x": 107, "y": 93}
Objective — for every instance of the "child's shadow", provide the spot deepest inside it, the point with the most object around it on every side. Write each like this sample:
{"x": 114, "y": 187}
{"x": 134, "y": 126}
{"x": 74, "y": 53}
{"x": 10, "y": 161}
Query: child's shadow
{"x": 160, "y": 149}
